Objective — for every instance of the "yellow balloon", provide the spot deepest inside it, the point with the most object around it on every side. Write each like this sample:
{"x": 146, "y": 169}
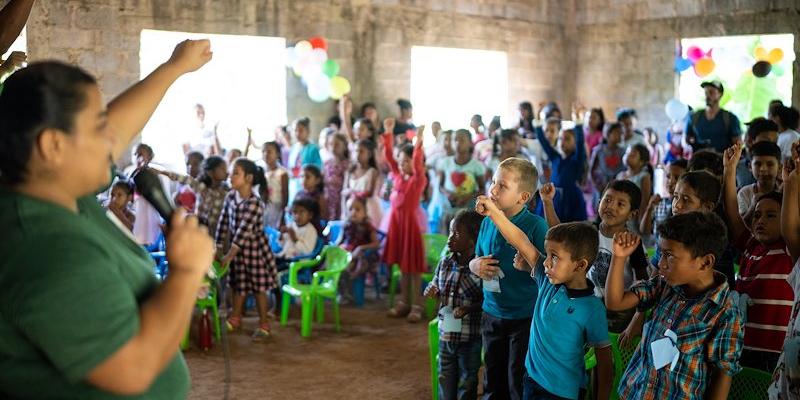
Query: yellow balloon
{"x": 761, "y": 54}
{"x": 704, "y": 66}
{"x": 775, "y": 56}
{"x": 340, "y": 86}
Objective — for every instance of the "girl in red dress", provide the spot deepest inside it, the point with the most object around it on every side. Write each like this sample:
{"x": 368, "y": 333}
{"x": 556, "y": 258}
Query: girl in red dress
{"x": 404, "y": 244}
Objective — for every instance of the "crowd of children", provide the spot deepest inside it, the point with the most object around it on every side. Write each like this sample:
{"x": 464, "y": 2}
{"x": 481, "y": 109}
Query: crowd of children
{"x": 560, "y": 234}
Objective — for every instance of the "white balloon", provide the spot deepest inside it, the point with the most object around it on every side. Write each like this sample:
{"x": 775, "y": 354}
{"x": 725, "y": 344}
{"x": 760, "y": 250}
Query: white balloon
{"x": 676, "y": 110}
{"x": 319, "y": 56}
{"x": 302, "y": 47}
{"x": 311, "y": 71}
{"x": 319, "y": 92}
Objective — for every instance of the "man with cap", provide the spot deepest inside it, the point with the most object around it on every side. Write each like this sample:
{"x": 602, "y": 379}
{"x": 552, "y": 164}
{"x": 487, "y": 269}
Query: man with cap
{"x": 713, "y": 127}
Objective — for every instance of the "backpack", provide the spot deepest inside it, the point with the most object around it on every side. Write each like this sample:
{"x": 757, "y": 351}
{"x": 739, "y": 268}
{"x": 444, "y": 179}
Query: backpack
{"x": 726, "y": 122}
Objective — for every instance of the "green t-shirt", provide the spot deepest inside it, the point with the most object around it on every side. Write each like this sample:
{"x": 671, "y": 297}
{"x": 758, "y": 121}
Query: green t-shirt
{"x": 71, "y": 288}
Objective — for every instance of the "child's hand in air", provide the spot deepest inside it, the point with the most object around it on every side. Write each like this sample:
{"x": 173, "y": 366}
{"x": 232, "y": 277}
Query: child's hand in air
{"x": 547, "y": 192}
{"x": 388, "y": 125}
{"x": 624, "y": 244}
{"x": 420, "y": 135}
{"x": 520, "y": 264}
{"x": 654, "y": 200}
{"x": 485, "y": 206}
{"x": 731, "y": 157}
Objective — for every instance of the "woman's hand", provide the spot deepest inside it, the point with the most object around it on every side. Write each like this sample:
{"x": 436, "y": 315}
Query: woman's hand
{"x": 189, "y": 247}
{"x": 190, "y": 55}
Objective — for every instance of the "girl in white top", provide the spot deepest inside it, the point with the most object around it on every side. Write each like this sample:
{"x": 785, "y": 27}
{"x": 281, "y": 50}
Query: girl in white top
{"x": 363, "y": 180}
{"x": 277, "y": 185}
{"x": 300, "y": 236}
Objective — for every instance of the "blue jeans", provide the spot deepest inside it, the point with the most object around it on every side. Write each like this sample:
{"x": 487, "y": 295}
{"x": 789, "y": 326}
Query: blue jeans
{"x": 505, "y": 344}
{"x": 458, "y": 370}
{"x": 533, "y": 391}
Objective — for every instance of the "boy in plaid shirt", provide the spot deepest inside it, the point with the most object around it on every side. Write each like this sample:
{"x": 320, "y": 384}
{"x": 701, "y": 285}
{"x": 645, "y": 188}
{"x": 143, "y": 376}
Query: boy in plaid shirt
{"x": 460, "y": 295}
{"x": 690, "y": 348}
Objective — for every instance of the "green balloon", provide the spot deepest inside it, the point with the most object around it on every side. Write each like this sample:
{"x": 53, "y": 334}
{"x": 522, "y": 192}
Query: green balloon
{"x": 330, "y": 68}
{"x": 777, "y": 69}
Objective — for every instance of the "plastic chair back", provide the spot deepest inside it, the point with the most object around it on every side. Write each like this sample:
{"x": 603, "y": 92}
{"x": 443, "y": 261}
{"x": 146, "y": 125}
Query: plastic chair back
{"x": 274, "y": 237}
{"x": 336, "y": 260}
{"x": 333, "y": 231}
{"x": 621, "y": 358}
{"x": 750, "y": 384}
{"x": 435, "y": 248}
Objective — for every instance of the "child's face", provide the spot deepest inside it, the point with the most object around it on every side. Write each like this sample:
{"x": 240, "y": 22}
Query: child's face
{"x": 460, "y": 241}
{"x": 767, "y": 221}
{"x": 685, "y": 199}
{"x": 765, "y": 169}
{"x": 301, "y": 216}
{"x": 337, "y": 147}
{"x": 509, "y": 145}
{"x": 505, "y": 190}
{"x": 447, "y": 143}
{"x": 615, "y": 208}
{"x": 220, "y": 173}
{"x": 673, "y": 172}
{"x": 435, "y": 129}
{"x": 238, "y": 178}
{"x": 463, "y": 144}
{"x": 356, "y": 211}
{"x": 551, "y": 131}
{"x": 404, "y": 161}
{"x": 652, "y": 137}
{"x": 301, "y": 133}
{"x": 363, "y": 156}
{"x": 628, "y": 125}
{"x": 593, "y": 120}
{"x": 142, "y": 156}
{"x": 270, "y": 155}
{"x": 614, "y": 137}
{"x": 193, "y": 167}
{"x": 632, "y": 158}
{"x": 362, "y": 131}
{"x": 566, "y": 141}
{"x": 310, "y": 181}
{"x": 559, "y": 267}
{"x": 119, "y": 197}
{"x": 677, "y": 265}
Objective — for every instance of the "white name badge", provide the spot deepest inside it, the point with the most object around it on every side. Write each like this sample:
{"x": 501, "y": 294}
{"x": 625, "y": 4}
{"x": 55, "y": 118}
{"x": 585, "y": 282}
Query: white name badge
{"x": 493, "y": 285}
{"x": 664, "y": 350}
{"x": 449, "y": 322}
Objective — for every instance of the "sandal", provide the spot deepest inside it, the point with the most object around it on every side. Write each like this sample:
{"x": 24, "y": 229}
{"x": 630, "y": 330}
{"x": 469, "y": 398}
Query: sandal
{"x": 399, "y": 310}
{"x": 233, "y": 323}
{"x": 415, "y": 315}
{"x": 262, "y": 332}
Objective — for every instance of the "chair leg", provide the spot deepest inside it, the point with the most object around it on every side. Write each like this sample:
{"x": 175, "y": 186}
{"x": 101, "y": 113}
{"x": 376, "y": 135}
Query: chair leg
{"x": 393, "y": 282}
{"x": 306, "y": 310}
{"x": 320, "y": 304}
{"x": 336, "y": 315}
{"x": 285, "y": 308}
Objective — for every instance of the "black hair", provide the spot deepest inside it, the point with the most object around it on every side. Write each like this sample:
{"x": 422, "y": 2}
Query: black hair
{"x": 629, "y": 188}
{"x": 304, "y": 121}
{"x": 370, "y": 146}
{"x": 707, "y": 159}
{"x": 505, "y": 134}
{"x": 644, "y": 152}
{"x": 549, "y": 109}
{"x": 526, "y": 123}
{"x": 495, "y": 122}
{"x": 707, "y": 186}
{"x": 335, "y": 121}
{"x": 579, "y": 238}
{"x": 789, "y": 116}
{"x": 373, "y": 131}
{"x": 479, "y": 118}
{"x": 601, "y": 115}
{"x": 277, "y": 146}
{"x": 404, "y": 104}
{"x": 147, "y": 148}
{"x": 700, "y": 232}
{"x": 625, "y": 112}
{"x": 195, "y": 154}
{"x": 209, "y": 164}
{"x": 609, "y": 127}
{"x": 314, "y": 170}
{"x": 46, "y": 95}
{"x": 470, "y": 220}
{"x": 469, "y": 135}
{"x": 680, "y": 163}
{"x": 766, "y": 149}
{"x": 123, "y": 184}
{"x": 760, "y": 125}
{"x": 343, "y": 138}
{"x": 365, "y": 106}
{"x": 312, "y": 206}
{"x": 407, "y": 149}
{"x": 250, "y": 168}
{"x": 774, "y": 195}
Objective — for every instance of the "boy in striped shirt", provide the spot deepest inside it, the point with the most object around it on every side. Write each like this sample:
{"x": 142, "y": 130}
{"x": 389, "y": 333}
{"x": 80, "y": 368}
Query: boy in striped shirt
{"x": 766, "y": 296}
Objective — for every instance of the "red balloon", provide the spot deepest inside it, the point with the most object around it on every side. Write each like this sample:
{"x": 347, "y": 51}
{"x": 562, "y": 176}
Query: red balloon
{"x": 318, "y": 42}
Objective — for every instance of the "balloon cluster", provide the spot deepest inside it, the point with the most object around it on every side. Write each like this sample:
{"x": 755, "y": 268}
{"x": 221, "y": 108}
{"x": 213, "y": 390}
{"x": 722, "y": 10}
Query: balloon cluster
{"x": 766, "y": 62}
{"x": 676, "y": 110}
{"x": 695, "y": 57}
{"x": 309, "y": 61}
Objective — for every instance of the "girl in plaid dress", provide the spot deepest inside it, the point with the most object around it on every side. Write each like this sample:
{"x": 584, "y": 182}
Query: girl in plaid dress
{"x": 241, "y": 232}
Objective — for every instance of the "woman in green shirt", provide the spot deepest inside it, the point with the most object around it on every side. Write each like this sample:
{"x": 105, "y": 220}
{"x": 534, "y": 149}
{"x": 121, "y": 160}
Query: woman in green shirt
{"x": 81, "y": 314}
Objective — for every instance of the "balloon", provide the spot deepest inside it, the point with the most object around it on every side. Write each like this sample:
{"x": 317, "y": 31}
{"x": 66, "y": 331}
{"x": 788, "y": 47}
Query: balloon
{"x": 778, "y": 70}
{"x": 694, "y": 53}
{"x": 319, "y": 56}
{"x": 302, "y": 47}
{"x": 318, "y": 95}
{"x": 291, "y": 57}
{"x": 761, "y": 69}
{"x": 340, "y": 86}
{"x": 311, "y": 71}
{"x": 704, "y": 66}
{"x": 761, "y": 54}
{"x": 676, "y": 110}
{"x": 319, "y": 87}
{"x": 682, "y": 64}
{"x": 330, "y": 68}
{"x": 318, "y": 42}
{"x": 775, "y": 56}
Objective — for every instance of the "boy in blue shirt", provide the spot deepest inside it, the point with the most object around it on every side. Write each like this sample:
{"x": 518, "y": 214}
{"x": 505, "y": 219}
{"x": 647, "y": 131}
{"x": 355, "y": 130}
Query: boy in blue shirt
{"x": 509, "y": 295}
{"x": 567, "y": 315}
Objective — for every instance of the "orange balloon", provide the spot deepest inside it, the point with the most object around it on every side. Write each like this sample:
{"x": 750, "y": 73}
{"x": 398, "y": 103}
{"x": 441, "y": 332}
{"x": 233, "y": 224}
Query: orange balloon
{"x": 761, "y": 54}
{"x": 775, "y": 56}
{"x": 704, "y": 66}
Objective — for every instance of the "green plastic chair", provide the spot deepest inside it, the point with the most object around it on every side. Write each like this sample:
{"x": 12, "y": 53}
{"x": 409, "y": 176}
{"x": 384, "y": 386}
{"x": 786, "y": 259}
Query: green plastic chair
{"x": 433, "y": 352}
{"x": 621, "y": 357}
{"x": 435, "y": 250}
{"x": 324, "y": 285}
{"x": 210, "y": 303}
{"x": 750, "y": 384}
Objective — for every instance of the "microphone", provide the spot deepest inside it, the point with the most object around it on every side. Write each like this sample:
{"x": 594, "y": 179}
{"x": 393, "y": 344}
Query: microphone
{"x": 149, "y": 186}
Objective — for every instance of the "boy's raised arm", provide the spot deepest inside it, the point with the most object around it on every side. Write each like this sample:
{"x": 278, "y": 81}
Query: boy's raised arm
{"x": 617, "y": 299}
{"x": 735, "y": 222}
{"x": 515, "y": 236}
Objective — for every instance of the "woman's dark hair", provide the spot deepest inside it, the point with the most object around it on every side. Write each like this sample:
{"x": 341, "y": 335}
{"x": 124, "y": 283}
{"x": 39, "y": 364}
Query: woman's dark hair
{"x": 277, "y": 147}
{"x": 404, "y": 104}
{"x": 314, "y": 170}
{"x": 370, "y": 146}
{"x": 601, "y": 115}
{"x": 365, "y": 106}
{"x": 259, "y": 178}
{"x": 505, "y": 134}
{"x": 46, "y": 95}
{"x": 311, "y": 206}
{"x": 209, "y": 164}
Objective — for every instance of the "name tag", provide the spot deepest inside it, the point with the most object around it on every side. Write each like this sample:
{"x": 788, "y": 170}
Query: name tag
{"x": 449, "y": 322}
{"x": 664, "y": 350}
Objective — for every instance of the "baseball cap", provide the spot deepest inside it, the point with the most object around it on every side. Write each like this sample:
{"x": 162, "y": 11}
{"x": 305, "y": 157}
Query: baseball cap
{"x": 715, "y": 84}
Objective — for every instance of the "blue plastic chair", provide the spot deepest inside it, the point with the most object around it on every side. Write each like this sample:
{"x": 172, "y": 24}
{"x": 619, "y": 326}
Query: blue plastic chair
{"x": 360, "y": 284}
{"x": 333, "y": 231}
{"x": 274, "y": 237}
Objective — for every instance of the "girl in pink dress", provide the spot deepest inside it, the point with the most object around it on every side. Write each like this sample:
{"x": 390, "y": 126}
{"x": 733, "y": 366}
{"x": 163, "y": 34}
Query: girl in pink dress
{"x": 404, "y": 245}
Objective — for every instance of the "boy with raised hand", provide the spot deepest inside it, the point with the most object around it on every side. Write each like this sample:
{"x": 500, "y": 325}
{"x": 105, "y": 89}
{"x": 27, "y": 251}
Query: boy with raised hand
{"x": 509, "y": 295}
{"x": 690, "y": 348}
{"x": 767, "y": 297}
{"x": 765, "y": 165}
{"x": 567, "y": 316}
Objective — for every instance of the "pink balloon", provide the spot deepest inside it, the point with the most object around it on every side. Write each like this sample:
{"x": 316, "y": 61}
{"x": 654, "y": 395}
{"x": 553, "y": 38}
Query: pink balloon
{"x": 694, "y": 53}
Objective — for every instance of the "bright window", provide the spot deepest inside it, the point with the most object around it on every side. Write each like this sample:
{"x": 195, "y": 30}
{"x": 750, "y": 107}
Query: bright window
{"x": 450, "y": 85}
{"x": 746, "y": 95}
{"x": 243, "y": 86}
{"x": 20, "y": 44}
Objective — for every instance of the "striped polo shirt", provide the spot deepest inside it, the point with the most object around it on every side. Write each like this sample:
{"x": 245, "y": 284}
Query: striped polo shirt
{"x": 764, "y": 270}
